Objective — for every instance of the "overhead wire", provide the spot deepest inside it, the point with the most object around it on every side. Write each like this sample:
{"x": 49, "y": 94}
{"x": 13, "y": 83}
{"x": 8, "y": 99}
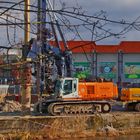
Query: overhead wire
{"x": 9, "y": 8}
{"x": 74, "y": 15}
{"x": 124, "y": 23}
{"x": 71, "y": 12}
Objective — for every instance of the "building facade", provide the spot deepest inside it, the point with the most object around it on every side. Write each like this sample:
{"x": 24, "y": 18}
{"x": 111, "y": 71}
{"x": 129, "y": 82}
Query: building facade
{"x": 121, "y": 62}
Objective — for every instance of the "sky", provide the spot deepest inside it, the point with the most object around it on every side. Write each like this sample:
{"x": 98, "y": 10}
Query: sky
{"x": 118, "y": 10}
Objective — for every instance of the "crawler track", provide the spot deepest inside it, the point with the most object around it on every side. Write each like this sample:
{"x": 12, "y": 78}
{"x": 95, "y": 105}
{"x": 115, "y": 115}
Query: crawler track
{"x": 133, "y": 106}
{"x": 76, "y": 107}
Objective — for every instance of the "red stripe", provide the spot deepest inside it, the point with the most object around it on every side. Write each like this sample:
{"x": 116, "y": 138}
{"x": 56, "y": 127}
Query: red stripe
{"x": 88, "y": 47}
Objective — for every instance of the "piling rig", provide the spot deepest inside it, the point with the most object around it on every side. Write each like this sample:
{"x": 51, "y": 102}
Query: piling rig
{"x": 68, "y": 96}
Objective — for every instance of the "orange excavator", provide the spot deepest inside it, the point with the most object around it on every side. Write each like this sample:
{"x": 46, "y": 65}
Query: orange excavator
{"x": 74, "y": 97}
{"x": 69, "y": 95}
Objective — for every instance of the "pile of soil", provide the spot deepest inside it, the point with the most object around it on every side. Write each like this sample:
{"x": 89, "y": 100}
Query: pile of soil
{"x": 10, "y": 106}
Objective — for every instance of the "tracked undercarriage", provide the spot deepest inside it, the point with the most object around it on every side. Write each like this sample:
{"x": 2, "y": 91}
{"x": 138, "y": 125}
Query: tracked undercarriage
{"x": 133, "y": 106}
{"x": 72, "y": 97}
{"x": 57, "y": 108}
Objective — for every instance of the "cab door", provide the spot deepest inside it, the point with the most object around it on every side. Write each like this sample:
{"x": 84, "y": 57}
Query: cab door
{"x": 70, "y": 88}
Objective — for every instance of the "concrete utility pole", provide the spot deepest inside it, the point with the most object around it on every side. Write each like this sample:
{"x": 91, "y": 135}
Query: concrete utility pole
{"x": 26, "y": 70}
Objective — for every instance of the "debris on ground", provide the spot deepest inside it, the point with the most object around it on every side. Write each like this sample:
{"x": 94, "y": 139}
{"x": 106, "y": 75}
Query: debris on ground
{"x": 10, "y": 106}
{"x": 108, "y": 131}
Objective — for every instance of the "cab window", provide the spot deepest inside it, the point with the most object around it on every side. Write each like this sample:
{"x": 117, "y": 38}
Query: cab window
{"x": 67, "y": 87}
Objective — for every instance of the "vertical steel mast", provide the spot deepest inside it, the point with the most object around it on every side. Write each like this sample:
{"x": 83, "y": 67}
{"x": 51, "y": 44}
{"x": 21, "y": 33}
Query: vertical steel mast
{"x": 42, "y": 44}
{"x": 67, "y": 53}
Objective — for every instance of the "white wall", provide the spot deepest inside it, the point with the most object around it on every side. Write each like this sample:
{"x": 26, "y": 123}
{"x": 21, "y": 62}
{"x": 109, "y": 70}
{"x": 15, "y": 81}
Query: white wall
{"x": 77, "y": 57}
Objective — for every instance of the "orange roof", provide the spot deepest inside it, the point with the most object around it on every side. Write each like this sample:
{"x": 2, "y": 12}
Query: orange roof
{"x": 88, "y": 46}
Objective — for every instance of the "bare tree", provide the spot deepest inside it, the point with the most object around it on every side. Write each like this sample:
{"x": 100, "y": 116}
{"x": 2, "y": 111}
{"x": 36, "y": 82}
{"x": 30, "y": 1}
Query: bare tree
{"x": 75, "y": 23}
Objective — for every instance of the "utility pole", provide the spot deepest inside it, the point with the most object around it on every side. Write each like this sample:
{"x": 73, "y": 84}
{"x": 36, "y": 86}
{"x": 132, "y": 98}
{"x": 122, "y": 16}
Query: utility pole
{"x": 26, "y": 69}
{"x": 42, "y": 44}
{"x": 27, "y": 20}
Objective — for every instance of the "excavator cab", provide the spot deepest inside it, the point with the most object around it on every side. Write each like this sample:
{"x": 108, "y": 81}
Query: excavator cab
{"x": 66, "y": 88}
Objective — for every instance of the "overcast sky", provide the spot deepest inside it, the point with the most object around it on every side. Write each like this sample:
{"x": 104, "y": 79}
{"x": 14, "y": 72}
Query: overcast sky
{"x": 117, "y": 10}
{"x": 127, "y": 10}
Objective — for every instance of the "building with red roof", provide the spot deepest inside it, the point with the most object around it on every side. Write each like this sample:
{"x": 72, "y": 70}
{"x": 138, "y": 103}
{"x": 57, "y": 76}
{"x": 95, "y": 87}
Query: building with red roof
{"x": 119, "y": 62}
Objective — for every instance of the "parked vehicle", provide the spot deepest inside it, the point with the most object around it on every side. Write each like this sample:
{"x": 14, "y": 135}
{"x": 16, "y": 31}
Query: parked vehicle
{"x": 131, "y": 97}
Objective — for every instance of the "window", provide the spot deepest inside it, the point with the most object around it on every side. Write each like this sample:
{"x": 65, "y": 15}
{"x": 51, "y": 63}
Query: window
{"x": 74, "y": 85}
{"x": 67, "y": 87}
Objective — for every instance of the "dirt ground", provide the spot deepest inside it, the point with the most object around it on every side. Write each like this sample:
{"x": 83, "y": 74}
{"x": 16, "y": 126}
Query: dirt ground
{"x": 14, "y": 125}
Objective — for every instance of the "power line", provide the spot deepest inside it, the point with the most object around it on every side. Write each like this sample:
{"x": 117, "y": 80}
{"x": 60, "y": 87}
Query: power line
{"x": 68, "y": 13}
{"x": 11, "y": 7}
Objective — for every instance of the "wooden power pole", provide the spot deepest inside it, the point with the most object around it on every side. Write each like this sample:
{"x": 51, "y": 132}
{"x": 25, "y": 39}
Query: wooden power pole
{"x": 27, "y": 20}
{"x": 26, "y": 69}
